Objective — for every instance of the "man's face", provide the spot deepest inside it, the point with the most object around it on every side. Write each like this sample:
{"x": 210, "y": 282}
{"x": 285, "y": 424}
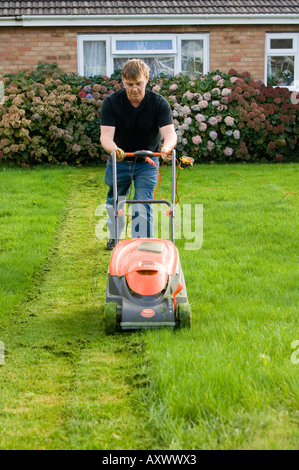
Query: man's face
{"x": 135, "y": 88}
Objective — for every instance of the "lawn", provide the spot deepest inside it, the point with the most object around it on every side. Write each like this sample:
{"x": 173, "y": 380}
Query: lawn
{"x": 227, "y": 383}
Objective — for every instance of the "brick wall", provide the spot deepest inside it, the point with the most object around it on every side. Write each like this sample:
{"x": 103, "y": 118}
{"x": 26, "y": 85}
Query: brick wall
{"x": 238, "y": 47}
{"x": 241, "y": 47}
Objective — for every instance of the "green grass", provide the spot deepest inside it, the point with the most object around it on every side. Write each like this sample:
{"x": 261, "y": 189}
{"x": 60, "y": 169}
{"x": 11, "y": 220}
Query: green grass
{"x": 64, "y": 384}
{"x": 227, "y": 383}
{"x": 31, "y": 209}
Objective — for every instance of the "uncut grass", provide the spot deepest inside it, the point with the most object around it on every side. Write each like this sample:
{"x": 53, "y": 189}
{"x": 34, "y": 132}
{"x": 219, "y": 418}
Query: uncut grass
{"x": 229, "y": 381}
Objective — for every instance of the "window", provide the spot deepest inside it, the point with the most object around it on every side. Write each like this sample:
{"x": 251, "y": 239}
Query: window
{"x": 164, "y": 53}
{"x": 282, "y": 60}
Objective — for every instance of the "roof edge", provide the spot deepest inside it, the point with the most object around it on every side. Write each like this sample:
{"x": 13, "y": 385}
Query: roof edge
{"x": 144, "y": 20}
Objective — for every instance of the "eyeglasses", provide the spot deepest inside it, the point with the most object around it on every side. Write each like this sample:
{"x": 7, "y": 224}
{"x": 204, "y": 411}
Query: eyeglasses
{"x": 132, "y": 85}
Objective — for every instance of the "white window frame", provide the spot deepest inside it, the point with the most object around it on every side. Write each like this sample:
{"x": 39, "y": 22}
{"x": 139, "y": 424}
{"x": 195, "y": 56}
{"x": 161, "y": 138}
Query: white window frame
{"x": 112, "y": 52}
{"x": 141, "y": 37}
{"x": 281, "y": 52}
{"x": 93, "y": 37}
{"x": 206, "y": 48}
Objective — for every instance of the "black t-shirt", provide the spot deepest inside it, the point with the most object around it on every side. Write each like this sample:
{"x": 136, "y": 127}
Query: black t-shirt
{"x": 136, "y": 128}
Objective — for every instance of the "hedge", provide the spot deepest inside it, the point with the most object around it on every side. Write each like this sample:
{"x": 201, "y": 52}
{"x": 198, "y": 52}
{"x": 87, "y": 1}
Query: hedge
{"x": 48, "y": 116}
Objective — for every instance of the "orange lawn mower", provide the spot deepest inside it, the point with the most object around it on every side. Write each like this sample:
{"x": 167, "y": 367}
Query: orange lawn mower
{"x": 145, "y": 282}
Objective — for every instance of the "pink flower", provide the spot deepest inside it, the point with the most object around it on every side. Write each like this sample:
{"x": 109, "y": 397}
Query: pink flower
{"x": 229, "y": 121}
{"x": 237, "y": 134}
{"x": 202, "y": 127}
{"x": 14, "y": 148}
{"x": 238, "y": 90}
{"x": 210, "y": 145}
{"x": 184, "y": 110}
{"x": 203, "y": 104}
{"x": 213, "y": 135}
{"x": 213, "y": 121}
{"x": 207, "y": 96}
{"x": 188, "y": 120}
{"x": 66, "y": 107}
{"x": 173, "y": 87}
{"x": 228, "y": 151}
{"x": 216, "y": 90}
{"x": 156, "y": 88}
{"x": 189, "y": 95}
{"x": 197, "y": 139}
{"x": 200, "y": 117}
{"x": 226, "y": 91}
{"x": 97, "y": 87}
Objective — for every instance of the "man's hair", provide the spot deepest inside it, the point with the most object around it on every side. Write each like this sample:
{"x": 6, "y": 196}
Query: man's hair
{"x": 134, "y": 69}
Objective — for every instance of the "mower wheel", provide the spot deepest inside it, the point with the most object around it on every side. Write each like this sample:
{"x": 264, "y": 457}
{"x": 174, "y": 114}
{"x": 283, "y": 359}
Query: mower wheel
{"x": 110, "y": 318}
{"x": 184, "y": 313}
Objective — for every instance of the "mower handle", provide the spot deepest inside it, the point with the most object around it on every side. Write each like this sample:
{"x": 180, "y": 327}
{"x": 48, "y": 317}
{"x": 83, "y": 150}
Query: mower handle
{"x": 147, "y": 154}
{"x": 144, "y": 153}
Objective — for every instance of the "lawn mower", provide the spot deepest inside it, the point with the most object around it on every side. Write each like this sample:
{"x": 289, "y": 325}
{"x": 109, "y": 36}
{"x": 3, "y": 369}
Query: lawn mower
{"x": 145, "y": 282}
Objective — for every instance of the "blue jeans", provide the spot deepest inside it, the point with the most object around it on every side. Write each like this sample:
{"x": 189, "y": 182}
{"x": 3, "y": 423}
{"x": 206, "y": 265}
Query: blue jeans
{"x": 144, "y": 176}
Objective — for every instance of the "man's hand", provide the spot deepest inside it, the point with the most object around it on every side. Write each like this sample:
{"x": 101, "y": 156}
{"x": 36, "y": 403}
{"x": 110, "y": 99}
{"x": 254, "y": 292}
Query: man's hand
{"x": 120, "y": 154}
{"x": 166, "y": 154}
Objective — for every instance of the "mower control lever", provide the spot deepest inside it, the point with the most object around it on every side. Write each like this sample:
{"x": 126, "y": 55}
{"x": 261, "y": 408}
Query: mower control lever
{"x": 142, "y": 153}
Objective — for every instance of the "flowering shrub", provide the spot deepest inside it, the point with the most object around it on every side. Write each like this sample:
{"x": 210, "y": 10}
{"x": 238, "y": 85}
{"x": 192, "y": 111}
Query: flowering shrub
{"x": 268, "y": 121}
{"x": 225, "y": 117}
{"x": 48, "y": 116}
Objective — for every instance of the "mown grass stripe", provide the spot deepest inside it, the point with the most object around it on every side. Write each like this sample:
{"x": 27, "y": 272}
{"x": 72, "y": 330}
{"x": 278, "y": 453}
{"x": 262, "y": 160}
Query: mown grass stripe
{"x": 64, "y": 383}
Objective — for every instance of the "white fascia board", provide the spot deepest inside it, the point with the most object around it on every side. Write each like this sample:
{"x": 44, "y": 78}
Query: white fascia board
{"x": 11, "y": 21}
{"x": 146, "y": 20}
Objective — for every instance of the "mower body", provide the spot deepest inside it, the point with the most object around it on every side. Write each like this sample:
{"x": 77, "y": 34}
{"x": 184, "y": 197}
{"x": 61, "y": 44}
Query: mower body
{"x": 145, "y": 284}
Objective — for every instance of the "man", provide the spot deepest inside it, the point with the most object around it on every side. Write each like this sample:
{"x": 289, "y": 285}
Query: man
{"x": 135, "y": 118}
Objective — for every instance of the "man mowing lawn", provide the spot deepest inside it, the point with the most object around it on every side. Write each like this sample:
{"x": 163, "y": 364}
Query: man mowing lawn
{"x": 132, "y": 119}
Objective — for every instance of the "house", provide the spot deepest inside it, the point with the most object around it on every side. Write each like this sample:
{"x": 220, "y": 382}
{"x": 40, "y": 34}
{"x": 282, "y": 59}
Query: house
{"x": 191, "y": 36}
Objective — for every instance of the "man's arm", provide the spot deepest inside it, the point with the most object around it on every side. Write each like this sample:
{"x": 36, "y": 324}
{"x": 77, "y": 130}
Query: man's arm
{"x": 170, "y": 140}
{"x": 107, "y": 138}
{"x": 107, "y": 142}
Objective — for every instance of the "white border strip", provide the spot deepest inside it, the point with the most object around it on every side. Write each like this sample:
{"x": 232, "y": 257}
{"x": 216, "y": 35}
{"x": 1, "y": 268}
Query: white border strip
{"x": 144, "y": 20}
